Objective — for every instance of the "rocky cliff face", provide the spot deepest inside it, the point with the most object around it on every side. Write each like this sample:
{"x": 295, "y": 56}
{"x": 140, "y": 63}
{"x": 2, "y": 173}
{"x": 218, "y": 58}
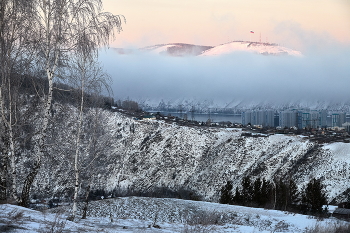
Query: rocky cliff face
{"x": 141, "y": 156}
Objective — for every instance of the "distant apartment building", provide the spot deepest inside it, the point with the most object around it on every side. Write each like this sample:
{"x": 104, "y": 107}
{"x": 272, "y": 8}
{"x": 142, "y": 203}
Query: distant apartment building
{"x": 323, "y": 118}
{"x": 260, "y": 117}
{"x": 269, "y": 118}
{"x": 288, "y": 118}
{"x": 294, "y": 118}
{"x": 338, "y": 119}
{"x": 312, "y": 119}
{"x": 303, "y": 118}
{"x": 346, "y": 126}
{"x": 246, "y": 117}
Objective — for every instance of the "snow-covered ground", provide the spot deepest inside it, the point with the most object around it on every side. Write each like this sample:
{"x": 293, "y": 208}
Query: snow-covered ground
{"x": 140, "y": 214}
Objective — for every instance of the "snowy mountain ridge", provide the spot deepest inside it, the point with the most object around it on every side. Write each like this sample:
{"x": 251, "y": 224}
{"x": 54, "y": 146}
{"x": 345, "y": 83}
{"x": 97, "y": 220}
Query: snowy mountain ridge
{"x": 237, "y": 106}
{"x": 183, "y": 49}
{"x": 256, "y": 47}
{"x": 179, "y": 49}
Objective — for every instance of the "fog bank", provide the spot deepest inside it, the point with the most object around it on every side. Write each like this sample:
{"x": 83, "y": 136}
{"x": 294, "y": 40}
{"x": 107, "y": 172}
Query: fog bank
{"x": 240, "y": 76}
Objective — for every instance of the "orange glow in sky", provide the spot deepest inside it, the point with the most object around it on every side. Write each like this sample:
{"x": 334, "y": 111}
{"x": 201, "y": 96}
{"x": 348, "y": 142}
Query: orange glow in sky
{"x": 212, "y": 22}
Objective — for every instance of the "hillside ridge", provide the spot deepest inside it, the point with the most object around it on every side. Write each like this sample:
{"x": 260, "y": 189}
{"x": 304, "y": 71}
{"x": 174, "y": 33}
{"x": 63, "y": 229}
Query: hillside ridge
{"x": 144, "y": 156}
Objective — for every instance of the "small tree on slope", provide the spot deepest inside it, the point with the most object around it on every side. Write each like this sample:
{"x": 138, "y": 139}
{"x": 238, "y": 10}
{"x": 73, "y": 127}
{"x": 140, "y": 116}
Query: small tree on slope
{"x": 314, "y": 196}
{"x": 226, "y": 195}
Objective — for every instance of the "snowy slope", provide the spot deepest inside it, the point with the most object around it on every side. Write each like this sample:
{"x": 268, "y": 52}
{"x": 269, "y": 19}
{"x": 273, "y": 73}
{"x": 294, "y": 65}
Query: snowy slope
{"x": 160, "y": 155}
{"x": 160, "y": 48}
{"x": 256, "y": 47}
{"x": 177, "y": 49}
{"x": 135, "y": 214}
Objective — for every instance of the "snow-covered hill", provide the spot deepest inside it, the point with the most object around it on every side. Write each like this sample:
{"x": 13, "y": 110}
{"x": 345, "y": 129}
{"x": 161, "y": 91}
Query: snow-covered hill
{"x": 177, "y": 49}
{"x": 256, "y": 47}
{"x": 144, "y": 156}
{"x": 181, "y": 49}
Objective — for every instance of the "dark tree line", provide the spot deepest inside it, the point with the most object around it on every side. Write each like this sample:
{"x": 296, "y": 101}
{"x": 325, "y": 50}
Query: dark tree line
{"x": 128, "y": 105}
{"x": 279, "y": 194}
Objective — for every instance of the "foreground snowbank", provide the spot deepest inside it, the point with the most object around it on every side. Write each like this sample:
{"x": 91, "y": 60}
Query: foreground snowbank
{"x": 140, "y": 214}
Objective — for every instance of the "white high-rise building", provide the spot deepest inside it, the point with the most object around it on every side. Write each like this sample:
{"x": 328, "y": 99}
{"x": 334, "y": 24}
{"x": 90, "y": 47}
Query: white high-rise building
{"x": 310, "y": 119}
{"x": 338, "y": 119}
{"x": 261, "y": 117}
{"x": 246, "y": 117}
{"x": 323, "y": 118}
{"x": 288, "y": 118}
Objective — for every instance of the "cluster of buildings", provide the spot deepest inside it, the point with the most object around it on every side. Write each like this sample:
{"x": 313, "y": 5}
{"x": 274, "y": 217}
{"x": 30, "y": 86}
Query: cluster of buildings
{"x": 295, "y": 118}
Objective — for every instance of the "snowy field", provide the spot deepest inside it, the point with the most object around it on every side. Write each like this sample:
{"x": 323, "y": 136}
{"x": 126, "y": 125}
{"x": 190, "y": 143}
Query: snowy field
{"x": 140, "y": 214}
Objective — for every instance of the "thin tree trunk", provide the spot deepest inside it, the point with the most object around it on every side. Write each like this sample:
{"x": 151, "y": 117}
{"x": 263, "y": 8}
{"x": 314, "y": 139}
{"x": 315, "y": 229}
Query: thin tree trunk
{"x": 274, "y": 203}
{"x": 12, "y": 148}
{"x": 10, "y": 143}
{"x": 13, "y": 166}
{"x": 40, "y": 147}
{"x": 28, "y": 183}
{"x": 4, "y": 154}
{"x": 76, "y": 157}
{"x": 86, "y": 201}
{"x": 3, "y": 176}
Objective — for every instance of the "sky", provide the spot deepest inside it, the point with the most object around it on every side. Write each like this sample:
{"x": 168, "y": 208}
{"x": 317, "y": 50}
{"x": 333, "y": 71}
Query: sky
{"x": 213, "y": 22}
{"x": 319, "y": 29}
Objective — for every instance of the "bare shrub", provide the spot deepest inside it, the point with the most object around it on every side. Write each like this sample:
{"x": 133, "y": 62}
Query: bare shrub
{"x": 16, "y": 216}
{"x": 55, "y": 226}
{"x": 198, "y": 229}
{"x": 204, "y": 218}
{"x": 281, "y": 226}
{"x": 337, "y": 227}
{"x": 13, "y": 221}
{"x": 201, "y": 222}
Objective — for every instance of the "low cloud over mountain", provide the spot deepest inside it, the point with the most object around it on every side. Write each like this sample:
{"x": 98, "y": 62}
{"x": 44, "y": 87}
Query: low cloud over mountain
{"x": 233, "y": 75}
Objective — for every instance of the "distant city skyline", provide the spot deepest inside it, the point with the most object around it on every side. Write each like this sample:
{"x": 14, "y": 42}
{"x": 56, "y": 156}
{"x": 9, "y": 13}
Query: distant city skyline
{"x": 292, "y": 23}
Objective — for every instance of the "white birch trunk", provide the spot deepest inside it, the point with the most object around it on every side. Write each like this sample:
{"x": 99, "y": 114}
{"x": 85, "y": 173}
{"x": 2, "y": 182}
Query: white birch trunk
{"x": 11, "y": 144}
{"x": 4, "y": 152}
{"x": 13, "y": 167}
{"x": 40, "y": 148}
{"x": 76, "y": 156}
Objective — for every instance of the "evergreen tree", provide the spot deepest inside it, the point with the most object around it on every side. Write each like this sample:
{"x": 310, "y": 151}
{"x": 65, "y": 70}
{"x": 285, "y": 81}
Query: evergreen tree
{"x": 314, "y": 196}
{"x": 293, "y": 194}
{"x": 226, "y": 195}
{"x": 247, "y": 191}
{"x": 348, "y": 199}
{"x": 281, "y": 195}
{"x": 237, "y": 198}
{"x": 266, "y": 192}
{"x": 256, "y": 198}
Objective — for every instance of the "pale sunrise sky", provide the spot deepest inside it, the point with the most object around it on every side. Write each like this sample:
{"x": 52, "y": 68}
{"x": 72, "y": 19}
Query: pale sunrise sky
{"x": 319, "y": 29}
{"x": 294, "y": 23}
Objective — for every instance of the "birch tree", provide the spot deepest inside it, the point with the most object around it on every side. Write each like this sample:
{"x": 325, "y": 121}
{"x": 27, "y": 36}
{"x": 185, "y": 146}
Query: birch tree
{"x": 64, "y": 27}
{"x": 15, "y": 57}
{"x": 89, "y": 79}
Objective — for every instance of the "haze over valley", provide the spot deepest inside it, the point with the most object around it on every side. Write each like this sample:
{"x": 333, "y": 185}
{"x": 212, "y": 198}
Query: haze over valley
{"x": 238, "y": 75}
